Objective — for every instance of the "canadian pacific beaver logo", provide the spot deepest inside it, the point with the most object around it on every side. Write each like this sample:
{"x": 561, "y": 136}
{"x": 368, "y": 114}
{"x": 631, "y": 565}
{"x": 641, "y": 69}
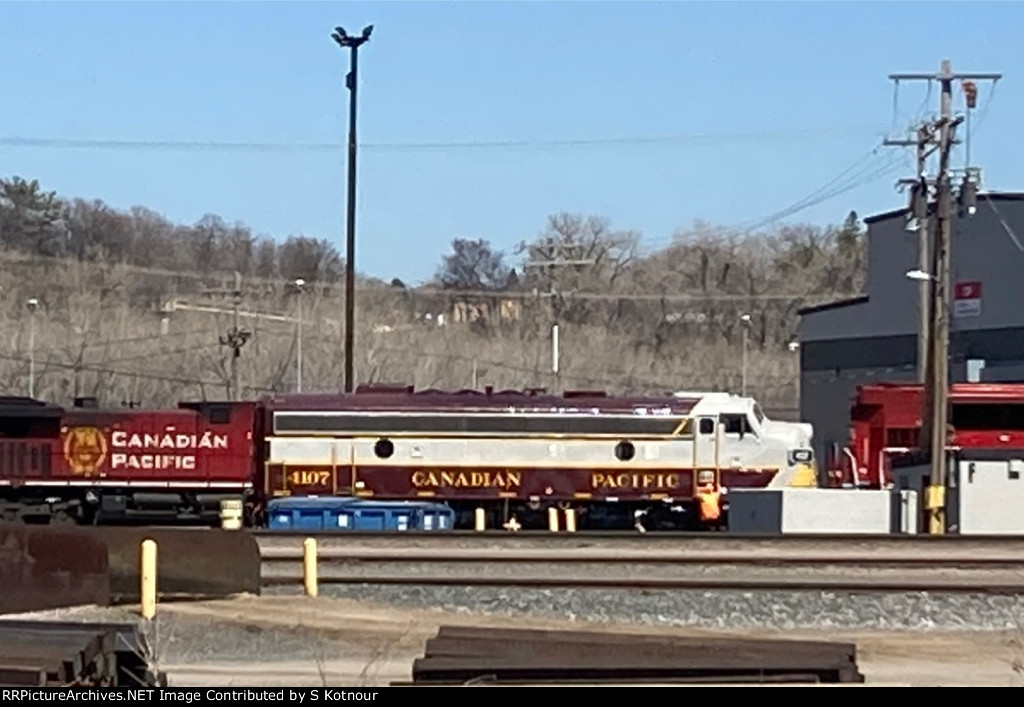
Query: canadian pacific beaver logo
{"x": 85, "y": 449}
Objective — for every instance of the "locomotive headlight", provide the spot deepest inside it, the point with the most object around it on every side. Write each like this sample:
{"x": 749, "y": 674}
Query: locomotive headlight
{"x": 801, "y": 456}
{"x": 705, "y": 477}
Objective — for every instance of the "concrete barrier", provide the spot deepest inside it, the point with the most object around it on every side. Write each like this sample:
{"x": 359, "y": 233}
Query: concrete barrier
{"x": 46, "y": 567}
{"x": 192, "y": 564}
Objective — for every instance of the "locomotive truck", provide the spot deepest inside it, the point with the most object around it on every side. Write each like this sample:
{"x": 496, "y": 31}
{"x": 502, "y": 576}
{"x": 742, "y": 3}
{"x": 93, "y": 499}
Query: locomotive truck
{"x": 615, "y": 460}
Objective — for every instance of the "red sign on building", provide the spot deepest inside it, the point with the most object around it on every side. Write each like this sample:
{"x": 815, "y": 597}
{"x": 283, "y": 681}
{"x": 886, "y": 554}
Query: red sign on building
{"x": 967, "y": 299}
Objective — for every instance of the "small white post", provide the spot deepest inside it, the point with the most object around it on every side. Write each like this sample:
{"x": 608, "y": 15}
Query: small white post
{"x": 554, "y": 349}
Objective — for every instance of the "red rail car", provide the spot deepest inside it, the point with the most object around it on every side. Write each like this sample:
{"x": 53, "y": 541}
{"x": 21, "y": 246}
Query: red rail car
{"x": 885, "y": 421}
{"x": 91, "y": 465}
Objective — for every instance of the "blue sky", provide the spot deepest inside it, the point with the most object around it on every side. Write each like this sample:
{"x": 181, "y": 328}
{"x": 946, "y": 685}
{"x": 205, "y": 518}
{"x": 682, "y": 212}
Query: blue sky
{"x": 786, "y": 94}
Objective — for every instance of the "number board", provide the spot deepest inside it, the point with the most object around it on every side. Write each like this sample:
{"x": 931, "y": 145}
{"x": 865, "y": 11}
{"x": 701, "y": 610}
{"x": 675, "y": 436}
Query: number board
{"x": 309, "y": 478}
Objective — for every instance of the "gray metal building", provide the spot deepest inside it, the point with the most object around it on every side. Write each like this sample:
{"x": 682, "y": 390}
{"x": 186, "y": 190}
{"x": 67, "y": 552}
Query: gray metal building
{"x": 873, "y": 337}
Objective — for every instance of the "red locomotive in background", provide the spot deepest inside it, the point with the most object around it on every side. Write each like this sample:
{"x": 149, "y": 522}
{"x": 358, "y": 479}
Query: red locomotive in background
{"x": 90, "y": 465}
{"x": 510, "y": 454}
{"x": 885, "y": 423}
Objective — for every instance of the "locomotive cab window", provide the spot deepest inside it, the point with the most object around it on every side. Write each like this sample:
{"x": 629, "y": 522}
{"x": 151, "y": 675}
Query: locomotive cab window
{"x": 737, "y": 425}
{"x": 707, "y": 426}
{"x": 219, "y": 414}
{"x": 980, "y": 416}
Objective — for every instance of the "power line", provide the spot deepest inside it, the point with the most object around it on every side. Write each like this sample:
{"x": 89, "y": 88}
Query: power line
{"x": 140, "y": 339}
{"x": 154, "y": 354}
{"x": 854, "y": 176}
{"x": 333, "y": 147}
{"x": 120, "y": 372}
{"x": 320, "y": 288}
{"x": 862, "y": 178}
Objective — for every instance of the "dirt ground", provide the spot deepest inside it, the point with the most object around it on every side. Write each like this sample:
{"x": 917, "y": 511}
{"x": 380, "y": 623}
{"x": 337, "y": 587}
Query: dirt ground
{"x": 360, "y": 644}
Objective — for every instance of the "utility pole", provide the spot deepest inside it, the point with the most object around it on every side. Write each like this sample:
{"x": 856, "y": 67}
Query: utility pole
{"x": 235, "y": 338}
{"x": 346, "y": 41}
{"x": 925, "y": 143}
{"x": 551, "y": 258}
{"x": 938, "y": 277}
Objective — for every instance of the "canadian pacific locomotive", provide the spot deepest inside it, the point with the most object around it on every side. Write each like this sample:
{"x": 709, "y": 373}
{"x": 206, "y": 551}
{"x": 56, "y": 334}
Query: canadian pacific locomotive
{"x": 515, "y": 454}
{"x": 511, "y": 454}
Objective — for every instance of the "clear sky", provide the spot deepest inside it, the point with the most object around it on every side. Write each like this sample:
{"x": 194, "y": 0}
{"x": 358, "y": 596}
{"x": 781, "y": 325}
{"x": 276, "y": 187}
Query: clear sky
{"x": 727, "y": 111}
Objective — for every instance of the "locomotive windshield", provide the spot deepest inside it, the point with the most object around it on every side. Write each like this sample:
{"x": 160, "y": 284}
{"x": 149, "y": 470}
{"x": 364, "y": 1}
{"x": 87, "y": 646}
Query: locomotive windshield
{"x": 758, "y": 414}
{"x": 998, "y": 416}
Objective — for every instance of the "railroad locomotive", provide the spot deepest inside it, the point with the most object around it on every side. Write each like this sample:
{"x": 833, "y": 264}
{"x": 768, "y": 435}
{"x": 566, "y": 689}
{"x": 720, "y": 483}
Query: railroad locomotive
{"x": 515, "y": 454}
{"x": 886, "y": 421}
{"x": 511, "y": 454}
{"x": 88, "y": 465}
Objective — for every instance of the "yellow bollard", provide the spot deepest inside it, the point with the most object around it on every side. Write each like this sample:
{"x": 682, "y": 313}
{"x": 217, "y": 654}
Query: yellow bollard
{"x": 481, "y": 519}
{"x": 231, "y": 514}
{"x": 148, "y": 579}
{"x": 553, "y": 520}
{"x": 309, "y": 566}
{"x": 570, "y": 520}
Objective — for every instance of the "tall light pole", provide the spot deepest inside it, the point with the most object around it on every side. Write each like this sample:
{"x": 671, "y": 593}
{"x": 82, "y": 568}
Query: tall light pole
{"x": 299, "y": 284}
{"x": 32, "y": 304}
{"x": 745, "y": 324}
{"x": 345, "y": 41}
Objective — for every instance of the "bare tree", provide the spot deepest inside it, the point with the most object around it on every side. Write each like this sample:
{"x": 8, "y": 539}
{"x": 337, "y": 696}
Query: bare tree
{"x": 633, "y": 321}
{"x": 473, "y": 265}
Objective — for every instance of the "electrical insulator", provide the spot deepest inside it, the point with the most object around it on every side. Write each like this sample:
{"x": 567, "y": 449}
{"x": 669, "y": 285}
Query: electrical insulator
{"x": 969, "y": 196}
{"x": 971, "y": 93}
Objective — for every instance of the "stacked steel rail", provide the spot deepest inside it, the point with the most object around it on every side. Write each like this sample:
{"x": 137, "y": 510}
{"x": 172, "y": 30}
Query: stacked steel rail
{"x": 467, "y": 655}
{"x": 59, "y": 654}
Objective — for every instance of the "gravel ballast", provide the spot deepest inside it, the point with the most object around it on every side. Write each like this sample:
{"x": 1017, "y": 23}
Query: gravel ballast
{"x": 709, "y": 609}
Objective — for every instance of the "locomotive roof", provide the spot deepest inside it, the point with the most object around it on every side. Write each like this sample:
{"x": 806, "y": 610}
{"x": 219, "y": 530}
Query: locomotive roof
{"x": 1006, "y": 393}
{"x": 17, "y": 406}
{"x": 406, "y": 399}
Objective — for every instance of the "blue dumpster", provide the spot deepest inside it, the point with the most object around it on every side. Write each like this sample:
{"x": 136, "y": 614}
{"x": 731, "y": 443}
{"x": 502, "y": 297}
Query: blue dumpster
{"x": 325, "y": 514}
{"x": 305, "y": 512}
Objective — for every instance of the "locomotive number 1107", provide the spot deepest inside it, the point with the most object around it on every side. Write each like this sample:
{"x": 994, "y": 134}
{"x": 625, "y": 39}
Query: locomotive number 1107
{"x": 309, "y": 478}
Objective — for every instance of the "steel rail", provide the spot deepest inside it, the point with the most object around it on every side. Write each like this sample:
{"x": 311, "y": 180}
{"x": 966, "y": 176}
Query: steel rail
{"x": 693, "y": 583}
{"x": 452, "y": 536}
{"x": 342, "y": 556}
{"x": 901, "y": 571}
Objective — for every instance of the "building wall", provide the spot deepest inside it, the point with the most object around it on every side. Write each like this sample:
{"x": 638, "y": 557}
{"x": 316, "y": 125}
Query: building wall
{"x": 987, "y": 247}
{"x": 875, "y": 340}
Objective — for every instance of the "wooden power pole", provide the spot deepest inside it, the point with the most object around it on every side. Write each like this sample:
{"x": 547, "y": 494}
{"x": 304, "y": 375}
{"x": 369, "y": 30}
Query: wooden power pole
{"x": 925, "y": 143}
{"x": 235, "y": 338}
{"x": 937, "y": 276}
{"x": 551, "y": 257}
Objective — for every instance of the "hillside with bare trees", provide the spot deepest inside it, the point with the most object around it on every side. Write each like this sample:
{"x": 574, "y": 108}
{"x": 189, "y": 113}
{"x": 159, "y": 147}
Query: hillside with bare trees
{"x": 130, "y": 308}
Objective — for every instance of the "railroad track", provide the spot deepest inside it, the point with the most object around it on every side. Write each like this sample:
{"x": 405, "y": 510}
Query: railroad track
{"x": 837, "y": 564}
{"x": 635, "y": 540}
